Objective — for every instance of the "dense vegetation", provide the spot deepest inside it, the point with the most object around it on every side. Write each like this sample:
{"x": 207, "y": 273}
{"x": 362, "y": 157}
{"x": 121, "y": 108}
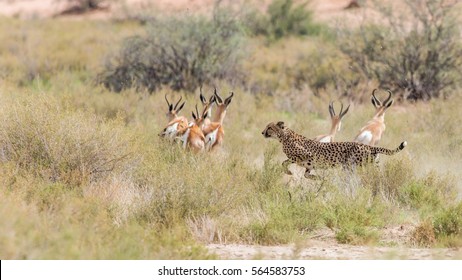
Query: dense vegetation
{"x": 83, "y": 173}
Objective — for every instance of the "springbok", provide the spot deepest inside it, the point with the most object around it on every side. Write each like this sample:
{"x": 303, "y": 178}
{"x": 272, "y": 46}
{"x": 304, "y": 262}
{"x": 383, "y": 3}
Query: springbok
{"x": 214, "y": 135}
{"x": 207, "y": 105}
{"x": 336, "y": 123}
{"x": 371, "y": 133}
{"x": 221, "y": 106}
{"x": 192, "y": 136}
{"x": 175, "y": 122}
{"x": 213, "y": 131}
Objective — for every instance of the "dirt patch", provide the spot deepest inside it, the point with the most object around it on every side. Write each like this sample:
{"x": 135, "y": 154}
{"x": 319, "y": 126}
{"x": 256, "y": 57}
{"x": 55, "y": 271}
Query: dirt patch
{"x": 322, "y": 245}
{"x": 324, "y": 250}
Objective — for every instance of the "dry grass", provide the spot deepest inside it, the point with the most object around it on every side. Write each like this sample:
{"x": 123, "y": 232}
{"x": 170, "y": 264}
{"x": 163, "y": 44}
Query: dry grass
{"x": 158, "y": 201}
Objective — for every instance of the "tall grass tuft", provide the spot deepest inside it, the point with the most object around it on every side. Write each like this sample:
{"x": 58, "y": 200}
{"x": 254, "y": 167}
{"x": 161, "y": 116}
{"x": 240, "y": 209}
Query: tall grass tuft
{"x": 42, "y": 137}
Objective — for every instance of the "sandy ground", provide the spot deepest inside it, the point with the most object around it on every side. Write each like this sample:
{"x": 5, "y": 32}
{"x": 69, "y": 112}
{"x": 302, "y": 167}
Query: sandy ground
{"x": 322, "y": 250}
{"x": 323, "y": 246}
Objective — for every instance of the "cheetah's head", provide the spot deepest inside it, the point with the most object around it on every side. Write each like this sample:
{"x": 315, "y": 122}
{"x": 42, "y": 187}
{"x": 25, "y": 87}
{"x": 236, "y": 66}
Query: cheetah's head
{"x": 273, "y": 129}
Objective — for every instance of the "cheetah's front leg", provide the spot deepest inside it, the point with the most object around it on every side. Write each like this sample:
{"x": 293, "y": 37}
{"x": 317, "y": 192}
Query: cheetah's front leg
{"x": 308, "y": 174}
{"x": 308, "y": 168}
{"x": 285, "y": 164}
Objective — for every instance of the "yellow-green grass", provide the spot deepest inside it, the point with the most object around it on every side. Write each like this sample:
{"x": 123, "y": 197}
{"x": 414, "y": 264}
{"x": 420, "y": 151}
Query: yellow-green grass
{"x": 83, "y": 173}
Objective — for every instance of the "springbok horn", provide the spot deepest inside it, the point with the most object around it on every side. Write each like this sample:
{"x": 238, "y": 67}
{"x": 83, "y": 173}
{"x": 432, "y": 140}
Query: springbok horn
{"x": 375, "y": 97}
{"x": 201, "y": 96}
{"x": 343, "y": 113}
{"x": 389, "y": 96}
{"x": 331, "y": 109}
{"x": 218, "y": 97}
{"x": 231, "y": 95}
{"x": 168, "y": 103}
{"x": 176, "y": 105}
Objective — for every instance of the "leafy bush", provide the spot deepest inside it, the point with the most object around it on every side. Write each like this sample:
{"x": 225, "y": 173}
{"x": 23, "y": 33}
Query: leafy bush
{"x": 354, "y": 220}
{"x": 429, "y": 193}
{"x": 182, "y": 53}
{"x": 418, "y": 56}
{"x": 449, "y": 222}
{"x": 283, "y": 18}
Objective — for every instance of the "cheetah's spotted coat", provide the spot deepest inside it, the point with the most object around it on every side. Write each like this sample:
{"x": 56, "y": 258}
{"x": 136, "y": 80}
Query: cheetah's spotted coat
{"x": 309, "y": 153}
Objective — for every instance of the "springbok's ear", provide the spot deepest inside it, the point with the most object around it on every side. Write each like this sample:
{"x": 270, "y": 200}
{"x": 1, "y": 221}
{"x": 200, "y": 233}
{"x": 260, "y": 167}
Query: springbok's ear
{"x": 194, "y": 115}
{"x": 228, "y": 100}
{"x": 389, "y": 103}
{"x": 181, "y": 107}
{"x": 170, "y": 107}
{"x": 206, "y": 114}
{"x": 281, "y": 125}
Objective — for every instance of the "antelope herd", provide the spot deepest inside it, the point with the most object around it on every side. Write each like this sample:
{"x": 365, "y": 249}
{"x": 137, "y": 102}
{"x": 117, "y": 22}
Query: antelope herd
{"x": 205, "y": 132}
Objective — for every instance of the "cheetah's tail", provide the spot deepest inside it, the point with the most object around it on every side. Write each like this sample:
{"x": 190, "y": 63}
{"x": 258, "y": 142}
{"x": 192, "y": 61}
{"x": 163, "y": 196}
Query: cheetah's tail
{"x": 391, "y": 152}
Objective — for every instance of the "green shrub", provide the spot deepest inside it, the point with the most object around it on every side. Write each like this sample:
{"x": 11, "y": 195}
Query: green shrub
{"x": 449, "y": 222}
{"x": 417, "y": 56}
{"x": 429, "y": 193}
{"x": 182, "y": 53}
{"x": 283, "y": 18}
{"x": 288, "y": 215}
{"x": 356, "y": 219}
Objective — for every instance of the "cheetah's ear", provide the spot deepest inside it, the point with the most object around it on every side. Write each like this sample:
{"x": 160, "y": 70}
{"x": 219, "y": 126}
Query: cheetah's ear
{"x": 281, "y": 125}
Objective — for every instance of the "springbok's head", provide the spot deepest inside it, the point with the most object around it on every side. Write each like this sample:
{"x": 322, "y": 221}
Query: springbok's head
{"x": 337, "y": 119}
{"x": 174, "y": 110}
{"x": 207, "y": 104}
{"x": 379, "y": 106}
{"x": 220, "y": 102}
{"x": 222, "y": 105}
{"x": 199, "y": 118}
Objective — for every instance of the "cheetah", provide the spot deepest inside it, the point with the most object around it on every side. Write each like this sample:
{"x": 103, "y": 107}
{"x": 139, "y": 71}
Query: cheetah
{"x": 309, "y": 153}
